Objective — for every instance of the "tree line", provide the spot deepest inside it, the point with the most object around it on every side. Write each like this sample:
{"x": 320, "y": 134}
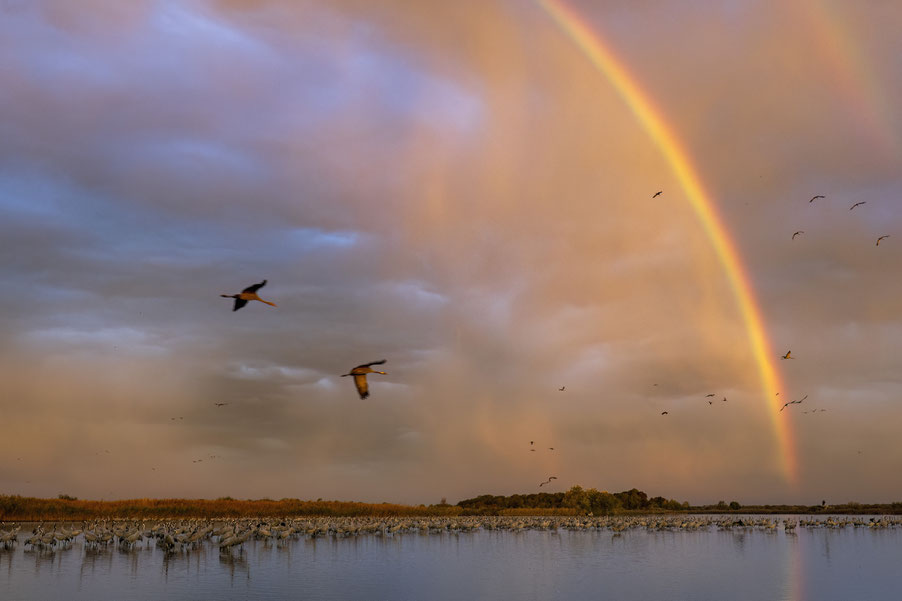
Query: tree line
{"x": 582, "y": 500}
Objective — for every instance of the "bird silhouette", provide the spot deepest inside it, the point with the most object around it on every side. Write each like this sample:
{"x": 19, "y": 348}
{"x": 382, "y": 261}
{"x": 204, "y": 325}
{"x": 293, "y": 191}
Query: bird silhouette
{"x": 787, "y": 355}
{"x": 881, "y": 238}
{"x": 724, "y": 399}
{"x": 220, "y": 404}
{"x": 248, "y": 294}
{"x": 548, "y": 481}
{"x": 712, "y": 394}
{"x": 562, "y": 388}
{"x": 797, "y": 233}
{"x": 814, "y": 197}
{"x": 793, "y": 402}
{"x": 664, "y": 413}
{"x": 359, "y": 374}
{"x": 658, "y": 193}
{"x": 710, "y": 402}
{"x": 857, "y": 204}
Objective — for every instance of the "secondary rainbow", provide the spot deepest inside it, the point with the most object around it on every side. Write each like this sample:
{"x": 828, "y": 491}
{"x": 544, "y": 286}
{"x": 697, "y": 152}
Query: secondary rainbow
{"x": 705, "y": 209}
{"x": 852, "y": 72}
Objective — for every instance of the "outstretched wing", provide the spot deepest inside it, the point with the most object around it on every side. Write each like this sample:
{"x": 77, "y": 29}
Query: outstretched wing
{"x": 255, "y": 287}
{"x": 373, "y": 363}
{"x": 239, "y": 302}
{"x": 360, "y": 382}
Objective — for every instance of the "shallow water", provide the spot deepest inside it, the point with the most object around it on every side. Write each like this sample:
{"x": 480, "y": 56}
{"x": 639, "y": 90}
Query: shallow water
{"x": 812, "y": 564}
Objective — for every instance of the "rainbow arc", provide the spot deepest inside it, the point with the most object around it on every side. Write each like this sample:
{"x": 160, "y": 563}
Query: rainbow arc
{"x": 652, "y": 121}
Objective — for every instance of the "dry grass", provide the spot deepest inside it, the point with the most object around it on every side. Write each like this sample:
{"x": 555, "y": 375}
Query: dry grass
{"x": 31, "y": 509}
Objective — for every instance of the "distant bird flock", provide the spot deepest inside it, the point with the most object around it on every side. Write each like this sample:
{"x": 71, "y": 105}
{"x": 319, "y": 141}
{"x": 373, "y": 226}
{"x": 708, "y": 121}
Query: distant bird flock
{"x": 229, "y": 534}
{"x": 788, "y": 354}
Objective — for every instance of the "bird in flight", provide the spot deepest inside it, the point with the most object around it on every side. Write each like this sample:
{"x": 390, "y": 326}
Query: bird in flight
{"x": 707, "y": 395}
{"x": 793, "y": 402}
{"x": 360, "y": 373}
{"x": 664, "y": 413}
{"x": 710, "y": 402}
{"x": 550, "y": 448}
{"x": 658, "y": 193}
{"x": 857, "y": 204}
{"x": 814, "y": 197}
{"x": 548, "y": 481}
{"x": 787, "y": 356}
{"x": 881, "y": 238}
{"x": 220, "y": 404}
{"x": 797, "y": 233}
{"x": 562, "y": 388}
{"x": 725, "y": 399}
{"x": 248, "y": 294}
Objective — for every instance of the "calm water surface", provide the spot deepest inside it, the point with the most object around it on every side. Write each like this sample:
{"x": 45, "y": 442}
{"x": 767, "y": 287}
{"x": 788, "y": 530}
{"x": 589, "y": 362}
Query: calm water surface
{"x": 818, "y": 565}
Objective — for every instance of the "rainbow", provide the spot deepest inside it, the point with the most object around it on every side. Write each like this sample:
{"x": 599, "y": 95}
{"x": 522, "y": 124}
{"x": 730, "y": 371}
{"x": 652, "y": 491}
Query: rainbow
{"x": 705, "y": 209}
{"x": 852, "y": 72}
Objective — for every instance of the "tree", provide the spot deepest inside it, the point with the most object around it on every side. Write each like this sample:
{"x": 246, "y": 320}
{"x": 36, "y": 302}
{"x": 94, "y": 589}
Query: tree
{"x": 603, "y": 502}
{"x": 735, "y": 506}
{"x": 577, "y": 498}
{"x": 633, "y": 499}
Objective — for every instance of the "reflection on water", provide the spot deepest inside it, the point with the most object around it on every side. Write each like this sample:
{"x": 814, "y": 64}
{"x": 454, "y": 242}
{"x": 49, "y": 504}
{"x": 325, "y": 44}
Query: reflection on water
{"x": 740, "y": 564}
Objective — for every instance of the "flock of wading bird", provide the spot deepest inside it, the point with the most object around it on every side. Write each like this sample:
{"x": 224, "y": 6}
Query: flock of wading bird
{"x": 177, "y": 536}
{"x": 788, "y": 354}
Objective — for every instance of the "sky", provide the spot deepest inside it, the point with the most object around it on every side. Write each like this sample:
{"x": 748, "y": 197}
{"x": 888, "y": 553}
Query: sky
{"x": 457, "y": 189}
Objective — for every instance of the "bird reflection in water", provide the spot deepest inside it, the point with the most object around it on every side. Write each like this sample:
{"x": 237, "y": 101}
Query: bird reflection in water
{"x": 237, "y": 564}
{"x": 94, "y": 557}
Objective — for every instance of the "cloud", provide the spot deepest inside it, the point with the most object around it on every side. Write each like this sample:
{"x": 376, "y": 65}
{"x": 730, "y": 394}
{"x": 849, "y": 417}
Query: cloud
{"x": 460, "y": 193}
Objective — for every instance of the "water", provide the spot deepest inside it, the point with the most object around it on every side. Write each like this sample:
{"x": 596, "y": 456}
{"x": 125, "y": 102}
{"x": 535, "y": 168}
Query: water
{"x": 637, "y": 564}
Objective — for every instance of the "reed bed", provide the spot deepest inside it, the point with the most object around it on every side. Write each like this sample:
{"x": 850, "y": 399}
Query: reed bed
{"x": 14, "y": 507}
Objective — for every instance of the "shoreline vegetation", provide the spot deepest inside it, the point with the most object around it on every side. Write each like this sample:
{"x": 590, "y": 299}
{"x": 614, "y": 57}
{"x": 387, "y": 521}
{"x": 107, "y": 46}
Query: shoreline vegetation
{"x": 575, "y": 502}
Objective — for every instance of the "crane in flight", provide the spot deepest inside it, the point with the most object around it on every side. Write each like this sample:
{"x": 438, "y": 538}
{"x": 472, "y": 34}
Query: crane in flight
{"x": 360, "y": 373}
{"x": 793, "y": 402}
{"x": 248, "y": 294}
